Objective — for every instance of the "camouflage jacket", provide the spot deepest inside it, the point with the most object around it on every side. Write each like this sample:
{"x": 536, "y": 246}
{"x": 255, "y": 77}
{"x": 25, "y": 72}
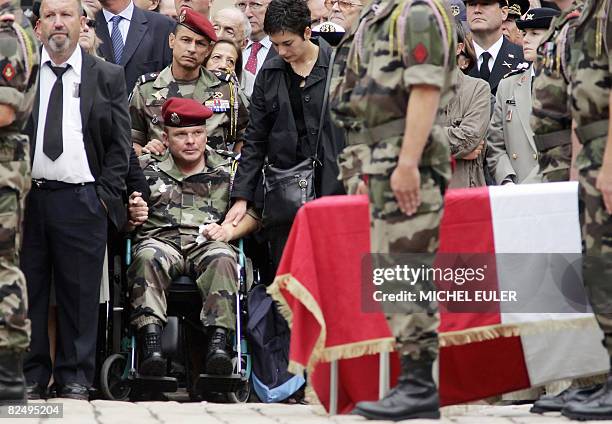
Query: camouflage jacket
{"x": 19, "y": 62}
{"x": 397, "y": 44}
{"x": 179, "y": 205}
{"x": 591, "y": 62}
{"x": 225, "y": 99}
{"x": 551, "y": 111}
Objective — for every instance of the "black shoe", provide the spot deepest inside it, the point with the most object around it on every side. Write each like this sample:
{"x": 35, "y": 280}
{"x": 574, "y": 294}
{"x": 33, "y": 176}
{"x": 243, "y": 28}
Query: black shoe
{"x": 415, "y": 395}
{"x": 556, "y": 403}
{"x": 598, "y": 406}
{"x": 12, "y": 380}
{"x": 218, "y": 357}
{"x": 73, "y": 391}
{"x": 36, "y": 391}
{"x": 152, "y": 362}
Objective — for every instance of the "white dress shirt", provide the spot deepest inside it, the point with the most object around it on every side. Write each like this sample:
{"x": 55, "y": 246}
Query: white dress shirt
{"x": 124, "y": 24}
{"x": 493, "y": 51}
{"x": 72, "y": 165}
{"x": 248, "y": 79}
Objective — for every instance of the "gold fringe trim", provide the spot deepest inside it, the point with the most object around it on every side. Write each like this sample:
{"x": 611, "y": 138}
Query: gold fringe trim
{"x": 479, "y": 334}
{"x": 320, "y": 353}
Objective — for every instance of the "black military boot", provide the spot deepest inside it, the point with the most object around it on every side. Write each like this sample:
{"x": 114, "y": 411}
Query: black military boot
{"x": 152, "y": 362}
{"x": 556, "y": 403}
{"x": 218, "y": 357}
{"x": 12, "y": 380}
{"x": 598, "y": 406}
{"x": 415, "y": 396}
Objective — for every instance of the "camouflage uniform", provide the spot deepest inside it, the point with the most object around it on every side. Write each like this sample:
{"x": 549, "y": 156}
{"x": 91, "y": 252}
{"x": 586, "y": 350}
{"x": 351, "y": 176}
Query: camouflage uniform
{"x": 551, "y": 118}
{"x": 18, "y": 76}
{"x": 399, "y": 44}
{"x": 591, "y": 64}
{"x": 225, "y": 99}
{"x": 166, "y": 246}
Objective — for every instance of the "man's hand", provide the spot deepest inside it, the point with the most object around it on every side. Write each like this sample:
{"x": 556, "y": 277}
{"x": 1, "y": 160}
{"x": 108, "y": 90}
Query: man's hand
{"x": 236, "y": 212}
{"x": 155, "y": 147}
{"x": 604, "y": 184}
{"x": 473, "y": 155}
{"x": 362, "y": 188}
{"x": 218, "y": 232}
{"x": 137, "y": 209}
{"x": 406, "y": 183}
{"x": 7, "y": 115}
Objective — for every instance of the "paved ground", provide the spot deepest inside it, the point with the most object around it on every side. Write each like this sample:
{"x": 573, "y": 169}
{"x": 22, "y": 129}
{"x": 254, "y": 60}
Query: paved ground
{"x": 107, "y": 412}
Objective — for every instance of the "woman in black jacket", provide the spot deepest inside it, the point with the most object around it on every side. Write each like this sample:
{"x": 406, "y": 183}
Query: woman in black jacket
{"x": 285, "y": 113}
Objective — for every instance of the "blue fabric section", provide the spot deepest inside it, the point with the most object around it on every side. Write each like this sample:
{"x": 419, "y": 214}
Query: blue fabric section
{"x": 276, "y": 394}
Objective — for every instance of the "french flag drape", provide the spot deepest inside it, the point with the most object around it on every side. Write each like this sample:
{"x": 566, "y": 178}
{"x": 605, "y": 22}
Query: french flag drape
{"x": 482, "y": 354}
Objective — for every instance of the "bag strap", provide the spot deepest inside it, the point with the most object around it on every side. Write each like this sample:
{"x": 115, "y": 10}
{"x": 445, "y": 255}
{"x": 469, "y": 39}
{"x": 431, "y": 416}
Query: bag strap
{"x": 325, "y": 100}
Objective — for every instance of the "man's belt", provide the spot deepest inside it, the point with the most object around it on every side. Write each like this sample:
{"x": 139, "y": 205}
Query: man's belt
{"x": 545, "y": 142}
{"x": 376, "y": 134}
{"x": 592, "y": 131}
{"x": 54, "y": 185}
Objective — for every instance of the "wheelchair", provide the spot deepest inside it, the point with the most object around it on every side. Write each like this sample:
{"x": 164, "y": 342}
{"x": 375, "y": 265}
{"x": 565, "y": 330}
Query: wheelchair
{"x": 182, "y": 336}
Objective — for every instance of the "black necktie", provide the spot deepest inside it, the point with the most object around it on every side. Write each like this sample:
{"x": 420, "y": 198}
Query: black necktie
{"x": 485, "y": 73}
{"x": 53, "y": 142}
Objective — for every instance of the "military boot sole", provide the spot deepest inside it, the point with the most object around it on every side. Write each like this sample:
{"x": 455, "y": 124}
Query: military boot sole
{"x": 433, "y": 415}
{"x": 578, "y": 416}
{"x": 218, "y": 364}
{"x": 541, "y": 409}
{"x": 153, "y": 367}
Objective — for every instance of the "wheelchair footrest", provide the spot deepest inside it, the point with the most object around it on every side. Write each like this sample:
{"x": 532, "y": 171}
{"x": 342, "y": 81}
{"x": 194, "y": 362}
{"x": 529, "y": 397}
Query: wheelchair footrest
{"x": 208, "y": 383}
{"x": 143, "y": 383}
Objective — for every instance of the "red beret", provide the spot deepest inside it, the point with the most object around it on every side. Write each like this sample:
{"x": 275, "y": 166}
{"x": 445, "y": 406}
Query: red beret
{"x": 198, "y": 23}
{"x": 179, "y": 112}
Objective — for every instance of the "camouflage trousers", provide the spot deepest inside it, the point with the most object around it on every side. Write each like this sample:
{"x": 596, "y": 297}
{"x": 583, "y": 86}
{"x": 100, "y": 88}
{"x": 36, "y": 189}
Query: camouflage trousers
{"x": 596, "y": 226}
{"x": 555, "y": 164}
{"x": 15, "y": 183}
{"x": 393, "y": 232}
{"x": 155, "y": 264}
{"x": 350, "y": 164}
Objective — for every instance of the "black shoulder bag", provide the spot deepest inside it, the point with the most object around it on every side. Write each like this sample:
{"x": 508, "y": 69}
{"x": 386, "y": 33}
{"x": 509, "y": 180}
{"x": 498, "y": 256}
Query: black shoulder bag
{"x": 286, "y": 190}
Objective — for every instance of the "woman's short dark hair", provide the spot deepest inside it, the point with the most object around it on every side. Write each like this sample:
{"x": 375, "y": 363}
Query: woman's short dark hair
{"x": 287, "y": 15}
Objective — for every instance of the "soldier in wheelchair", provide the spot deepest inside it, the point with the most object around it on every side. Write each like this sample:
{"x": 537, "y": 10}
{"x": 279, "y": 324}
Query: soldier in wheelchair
{"x": 180, "y": 233}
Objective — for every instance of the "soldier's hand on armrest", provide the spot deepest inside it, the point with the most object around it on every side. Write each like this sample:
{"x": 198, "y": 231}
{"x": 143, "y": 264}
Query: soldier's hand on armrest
{"x": 138, "y": 210}
{"x": 155, "y": 147}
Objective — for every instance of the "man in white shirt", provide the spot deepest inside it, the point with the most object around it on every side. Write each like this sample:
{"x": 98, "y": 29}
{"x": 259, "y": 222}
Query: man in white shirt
{"x": 80, "y": 142}
{"x": 496, "y": 55}
{"x": 259, "y": 47}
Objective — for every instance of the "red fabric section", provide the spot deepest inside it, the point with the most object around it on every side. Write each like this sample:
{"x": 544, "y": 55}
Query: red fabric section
{"x": 329, "y": 238}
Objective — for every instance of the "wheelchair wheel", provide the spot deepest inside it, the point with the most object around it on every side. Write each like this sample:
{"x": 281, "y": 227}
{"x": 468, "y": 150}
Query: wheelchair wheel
{"x": 113, "y": 386}
{"x": 241, "y": 396}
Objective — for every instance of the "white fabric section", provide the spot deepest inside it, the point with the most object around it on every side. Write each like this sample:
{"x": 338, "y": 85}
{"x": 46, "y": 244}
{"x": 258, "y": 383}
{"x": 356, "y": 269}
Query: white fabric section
{"x": 248, "y": 79}
{"x": 542, "y": 220}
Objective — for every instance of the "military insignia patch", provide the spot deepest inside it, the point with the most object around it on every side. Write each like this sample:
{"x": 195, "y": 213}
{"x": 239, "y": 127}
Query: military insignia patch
{"x": 455, "y": 9}
{"x": 163, "y": 188}
{"x": 217, "y": 95}
{"x": 509, "y": 65}
{"x": 174, "y": 118}
{"x": 182, "y": 17}
{"x": 420, "y": 53}
{"x": 8, "y": 72}
{"x": 529, "y": 17}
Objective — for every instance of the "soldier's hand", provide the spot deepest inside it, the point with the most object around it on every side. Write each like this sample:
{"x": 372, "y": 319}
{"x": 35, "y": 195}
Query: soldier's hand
{"x": 406, "y": 183}
{"x": 138, "y": 209}
{"x": 604, "y": 184}
{"x": 155, "y": 147}
{"x": 236, "y": 212}
{"x": 218, "y": 232}
{"x": 362, "y": 188}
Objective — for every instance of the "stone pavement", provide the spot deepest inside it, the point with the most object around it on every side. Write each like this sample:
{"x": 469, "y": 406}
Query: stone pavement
{"x": 171, "y": 412}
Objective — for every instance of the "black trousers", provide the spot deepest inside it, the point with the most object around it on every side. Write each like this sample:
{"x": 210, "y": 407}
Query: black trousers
{"x": 65, "y": 234}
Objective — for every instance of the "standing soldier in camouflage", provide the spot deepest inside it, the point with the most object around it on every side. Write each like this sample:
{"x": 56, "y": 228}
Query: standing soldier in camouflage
{"x": 397, "y": 69}
{"x": 551, "y": 118}
{"x": 591, "y": 99}
{"x": 18, "y": 76}
{"x": 190, "y": 187}
{"x": 187, "y": 78}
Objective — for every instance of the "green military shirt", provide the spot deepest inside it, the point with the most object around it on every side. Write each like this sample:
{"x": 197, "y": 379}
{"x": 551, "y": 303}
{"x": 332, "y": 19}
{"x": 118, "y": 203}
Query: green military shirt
{"x": 591, "y": 65}
{"x": 178, "y": 205}
{"x": 398, "y": 44}
{"x": 225, "y": 128}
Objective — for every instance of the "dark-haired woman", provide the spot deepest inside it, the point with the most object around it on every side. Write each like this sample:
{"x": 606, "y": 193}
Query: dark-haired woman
{"x": 285, "y": 112}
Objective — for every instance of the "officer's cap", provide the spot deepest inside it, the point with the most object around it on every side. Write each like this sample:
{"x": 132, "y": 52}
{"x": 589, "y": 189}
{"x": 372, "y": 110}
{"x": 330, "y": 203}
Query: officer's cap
{"x": 197, "y": 22}
{"x": 502, "y": 3}
{"x": 517, "y": 8}
{"x": 538, "y": 18}
{"x": 458, "y": 9}
{"x": 180, "y": 112}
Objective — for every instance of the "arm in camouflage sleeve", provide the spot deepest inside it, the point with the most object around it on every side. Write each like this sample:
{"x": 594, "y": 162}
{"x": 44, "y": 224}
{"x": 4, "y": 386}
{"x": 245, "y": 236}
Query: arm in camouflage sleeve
{"x": 138, "y": 117}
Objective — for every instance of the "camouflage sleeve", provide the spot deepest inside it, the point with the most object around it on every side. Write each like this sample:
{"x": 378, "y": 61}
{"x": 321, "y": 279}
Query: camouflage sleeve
{"x": 138, "y": 117}
{"x": 426, "y": 45}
